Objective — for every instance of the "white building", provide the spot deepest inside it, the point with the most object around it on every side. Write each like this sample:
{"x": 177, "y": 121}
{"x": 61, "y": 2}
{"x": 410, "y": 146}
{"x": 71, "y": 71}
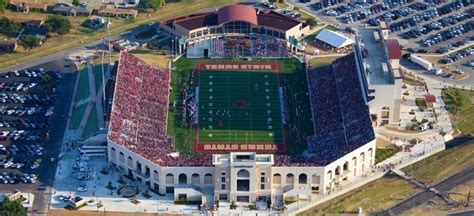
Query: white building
{"x": 380, "y": 62}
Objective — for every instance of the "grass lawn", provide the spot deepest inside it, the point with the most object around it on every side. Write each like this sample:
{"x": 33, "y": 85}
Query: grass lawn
{"x": 292, "y": 72}
{"x": 80, "y": 34}
{"x": 411, "y": 81}
{"x": 76, "y": 116}
{"x": 92, "y": 125}
{"x": 460, "y": 104}
{"x": 374, "y": 196}
{"x": 383, "y": 153}
{"x": 82, "y": 91}
{"x": 318, "y": 61}
{"x": 421, "y": 103}
{"x": 239, "y": 107}
{"x": 98, "y": 75}
{"x": 153, "y": 57}
{"x": 443, "y": 164}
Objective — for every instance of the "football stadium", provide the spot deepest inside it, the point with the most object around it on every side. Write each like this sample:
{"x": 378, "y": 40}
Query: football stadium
{"x": 235, "y": 114}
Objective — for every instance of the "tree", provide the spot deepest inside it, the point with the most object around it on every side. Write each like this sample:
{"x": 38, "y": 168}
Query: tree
{"x": 9, "y": 27}
{"x": 311, "y": 21}
{"x": 272, "y": 1}
{"x": 11, "y": 208}
{"x": 3, "y": 5}
{"x": 76, "y": 2}
{"x": 29, "y": 41}
{"x": 153, "y": 4}
{"x": 58, "y": 24}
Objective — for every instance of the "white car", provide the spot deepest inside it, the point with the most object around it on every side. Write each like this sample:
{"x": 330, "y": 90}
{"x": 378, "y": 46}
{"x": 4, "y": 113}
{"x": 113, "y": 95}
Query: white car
{"x": 34, "y": 166}
{"x": 81, "y": 189}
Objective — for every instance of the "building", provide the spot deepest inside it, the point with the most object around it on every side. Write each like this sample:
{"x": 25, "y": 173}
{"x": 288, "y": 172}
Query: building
{"x": 26, "y": 6}
{"x": 8, "y": 45}
{"x": 138, "y": 145}
{"x": 380, "y": 62}
{"x": 28, "y": 23}
{"x": 67, "y": 10}
{"x": 233, "y": 20}
{"x": 334, "y": 39}
{"x": 112, "y": 11}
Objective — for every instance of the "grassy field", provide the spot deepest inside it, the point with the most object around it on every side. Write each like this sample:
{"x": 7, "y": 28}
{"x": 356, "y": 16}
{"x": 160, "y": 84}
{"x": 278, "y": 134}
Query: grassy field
{"x": 460, "y": 104}
{"x": 82, "y": 91}
{"x": 383, "y": 153}
{"x": 318, "y": 61}
{"x": 374, "y": 196}
{"x": 153, "y": 57}
{"x": 446, "y": 163}
{"x": 76, "y": 116}
{"x": 98, "y": 75}
{"x": 92, "y": 125}
{"x": 299, "y": 114}
{"x": 239, "y": 108}
{"x": 80, "y": 35}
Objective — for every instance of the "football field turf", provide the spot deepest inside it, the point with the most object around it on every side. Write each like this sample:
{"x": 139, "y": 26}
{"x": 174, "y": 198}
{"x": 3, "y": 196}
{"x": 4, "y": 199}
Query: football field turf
{"x": 239, "y": 107}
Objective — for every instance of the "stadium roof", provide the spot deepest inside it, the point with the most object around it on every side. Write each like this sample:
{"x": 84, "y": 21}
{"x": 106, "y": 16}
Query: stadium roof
{"x": 237, "y": 12}
{"x": 334, "y": 39}
{"x": 394, "y": 50}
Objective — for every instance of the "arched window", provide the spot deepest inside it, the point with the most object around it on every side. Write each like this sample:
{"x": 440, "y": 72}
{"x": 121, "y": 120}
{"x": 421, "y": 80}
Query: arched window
{"x": 330, "y": 174}
{"x": 290, "y": 178}
{"x": 276, "y": 178}
{"x": 243, "y": 174}
{"x": 362, "y": 156}
{"x": 338, "y": 170}
{"x": 182, "y": 179}
{"x": 130, "y": 161}
{"x": 156, "y": 176}
{"x": 195, "y": 179}
{"x": 121, "y": 157}
{"x": 303, "y": 179}
{"x": 169, "y": 178}
{"x": 208, "y": 178}
{"x": 345, "y": 167}
{"x": 371, "y": 151}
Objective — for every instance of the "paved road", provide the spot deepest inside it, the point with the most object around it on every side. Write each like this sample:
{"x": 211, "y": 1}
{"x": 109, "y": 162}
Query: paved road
{"x": 424, "y": 196}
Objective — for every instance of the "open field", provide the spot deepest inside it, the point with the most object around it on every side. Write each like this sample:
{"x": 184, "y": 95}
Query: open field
{"x": 239, "y": 107}
{"x": 460, "y": 104}
{"x": 82, "y": 91}
{"x": 294, "y": 76}
{"x": 92, "y": 126}
{"x": 153, "y": 57}
{"x": 443, "y": 164}
{"x": 79, "y": 35}
{"x": 76, "y": 116}
{"x": 318, "y": 61}
{"x": 374, "y": 196}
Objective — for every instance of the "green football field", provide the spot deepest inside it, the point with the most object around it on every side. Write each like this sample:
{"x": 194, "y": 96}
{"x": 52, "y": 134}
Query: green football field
{"x": 239, "y": 107}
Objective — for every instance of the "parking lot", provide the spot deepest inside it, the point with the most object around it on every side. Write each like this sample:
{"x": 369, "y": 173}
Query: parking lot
{"x": 34, "y": 106}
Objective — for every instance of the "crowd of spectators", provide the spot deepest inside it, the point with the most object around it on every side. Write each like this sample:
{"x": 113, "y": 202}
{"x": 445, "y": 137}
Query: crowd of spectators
{"x": 255, "y": 46}
{"x": 140, "y": 110}
{"x": 340, "y": 116}
{"x": 139, "y": 114}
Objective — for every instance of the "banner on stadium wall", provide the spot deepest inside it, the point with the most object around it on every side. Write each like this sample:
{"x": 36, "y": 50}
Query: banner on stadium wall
{"x": 293, "y": 41}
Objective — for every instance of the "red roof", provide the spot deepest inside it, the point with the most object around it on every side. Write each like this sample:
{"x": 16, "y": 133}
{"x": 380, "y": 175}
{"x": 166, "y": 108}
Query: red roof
{"x": 430, "y": 98}
{"x": 394, "y": 50}
{"x": 237, "y": 12}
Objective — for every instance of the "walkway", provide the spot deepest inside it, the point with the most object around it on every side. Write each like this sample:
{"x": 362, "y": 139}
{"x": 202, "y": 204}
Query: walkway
{"x": 437, "y": 190}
